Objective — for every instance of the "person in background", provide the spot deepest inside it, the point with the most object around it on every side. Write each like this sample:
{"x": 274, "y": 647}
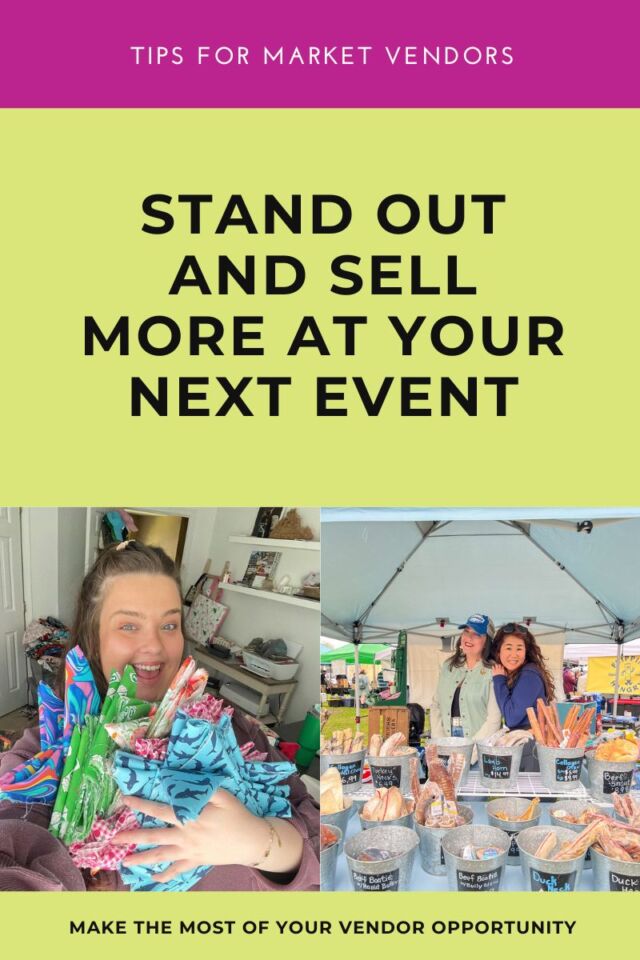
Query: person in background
{"x": 569, "y": 681}
{"x": 363, "y": 685}
{"x": 464, "y": 703}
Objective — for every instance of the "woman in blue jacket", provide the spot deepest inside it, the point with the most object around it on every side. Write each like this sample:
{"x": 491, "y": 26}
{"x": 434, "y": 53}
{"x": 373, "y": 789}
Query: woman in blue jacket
{"x": 520, "y": 678}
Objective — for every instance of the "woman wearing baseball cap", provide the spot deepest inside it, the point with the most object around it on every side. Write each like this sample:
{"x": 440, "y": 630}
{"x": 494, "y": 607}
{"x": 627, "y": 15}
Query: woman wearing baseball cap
{"x": 464, "y": 703}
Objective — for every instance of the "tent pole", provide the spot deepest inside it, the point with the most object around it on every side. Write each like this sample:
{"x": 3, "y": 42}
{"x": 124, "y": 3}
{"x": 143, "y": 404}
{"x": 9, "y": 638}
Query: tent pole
{"x": 619, "y": 639}
{"x": 356, "y": 639}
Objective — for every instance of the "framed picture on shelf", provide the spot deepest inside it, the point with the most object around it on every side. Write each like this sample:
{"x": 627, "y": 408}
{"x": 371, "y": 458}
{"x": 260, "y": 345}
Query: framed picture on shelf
{"x": 265, "y": 519}
{"x": 262, "y": 566}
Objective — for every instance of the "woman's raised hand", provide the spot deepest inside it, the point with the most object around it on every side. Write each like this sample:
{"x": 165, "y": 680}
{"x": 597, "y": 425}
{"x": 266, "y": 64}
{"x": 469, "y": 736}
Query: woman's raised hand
{"x": 224, "y": 833}
{"x": 498, "y": 670}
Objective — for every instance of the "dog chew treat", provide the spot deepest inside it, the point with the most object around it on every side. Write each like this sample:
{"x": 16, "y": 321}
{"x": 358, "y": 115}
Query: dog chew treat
{"x": 392, "y": 743}
{"x": 535, "y": 726}
{"x": 374, "y": 745}
{"x": 545, "y": 849}
{"x": 554, "y": 733}
{"x": 581, "y": 729}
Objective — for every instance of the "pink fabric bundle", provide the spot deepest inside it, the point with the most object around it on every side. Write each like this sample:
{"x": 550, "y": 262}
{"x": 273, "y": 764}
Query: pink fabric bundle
{"x": 100, "y": 851}
{"x": 249, "y": 752}
{"x": 207, "y": 708}
{"x": 152, "y": 748}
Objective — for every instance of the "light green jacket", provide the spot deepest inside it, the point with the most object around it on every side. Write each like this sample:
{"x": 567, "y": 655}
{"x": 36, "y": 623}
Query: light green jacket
{"x": 479, "y": 710}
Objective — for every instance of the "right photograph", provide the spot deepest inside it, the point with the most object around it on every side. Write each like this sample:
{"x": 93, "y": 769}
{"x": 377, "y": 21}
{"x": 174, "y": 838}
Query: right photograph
{"x": 480, "y": 700}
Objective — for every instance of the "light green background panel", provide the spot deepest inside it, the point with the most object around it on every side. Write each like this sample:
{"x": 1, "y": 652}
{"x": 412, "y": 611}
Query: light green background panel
{"x": 563, "y": 245}
{"x": 580, "y": 924}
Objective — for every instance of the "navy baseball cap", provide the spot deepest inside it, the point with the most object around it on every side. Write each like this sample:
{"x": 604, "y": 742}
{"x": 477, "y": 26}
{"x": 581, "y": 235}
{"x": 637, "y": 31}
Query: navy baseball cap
{"x": 479, "y": 622}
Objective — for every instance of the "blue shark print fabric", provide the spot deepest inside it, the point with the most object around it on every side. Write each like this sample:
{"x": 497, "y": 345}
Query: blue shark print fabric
{"x": 201, "y": 758}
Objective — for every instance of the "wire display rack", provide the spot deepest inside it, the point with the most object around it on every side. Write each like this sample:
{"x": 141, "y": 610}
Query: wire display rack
{"x": 528, "y": 785}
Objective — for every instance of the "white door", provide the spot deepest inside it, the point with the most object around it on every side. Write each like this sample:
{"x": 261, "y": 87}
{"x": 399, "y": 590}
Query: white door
{"x": 13, "y": 673}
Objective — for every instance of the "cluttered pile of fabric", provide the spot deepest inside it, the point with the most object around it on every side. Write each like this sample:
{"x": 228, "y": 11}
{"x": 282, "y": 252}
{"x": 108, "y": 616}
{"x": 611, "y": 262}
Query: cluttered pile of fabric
{"x": 178, "y": 752}
{"x": 45, "y": 641}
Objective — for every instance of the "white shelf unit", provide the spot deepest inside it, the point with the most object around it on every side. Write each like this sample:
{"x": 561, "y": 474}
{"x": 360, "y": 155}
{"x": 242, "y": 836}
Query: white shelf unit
{"x": 268, "y": 542}
{"x": 269, "y": 595}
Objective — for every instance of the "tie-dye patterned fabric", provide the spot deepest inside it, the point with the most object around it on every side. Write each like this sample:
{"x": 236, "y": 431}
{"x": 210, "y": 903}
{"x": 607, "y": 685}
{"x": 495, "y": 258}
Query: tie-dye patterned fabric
{"x": 201, "y": 758}
{"x": 36, "y": 780}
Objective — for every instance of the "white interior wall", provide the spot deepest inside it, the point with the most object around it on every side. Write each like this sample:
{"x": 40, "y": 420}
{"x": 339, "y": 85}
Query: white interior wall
{"x": 71, "y": 539}
{"x": 251, "y": 617}
{"x": 53, "y": 560}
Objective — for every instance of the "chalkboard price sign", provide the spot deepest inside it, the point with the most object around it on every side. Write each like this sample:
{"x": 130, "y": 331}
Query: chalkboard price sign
{"x": 496, "y": 768}
{"x": 617, "y": 781}
{"x": 623, "y": 884}
{"x": 514, "y": 849}
{"x": 552, "y": 882}
{"x": 349, "y": 772}
{"x": 386, "y": 776}
{"x": 568, "y": 769}
{"x": 376, "y": 881}
{"x": 479, "y": 881}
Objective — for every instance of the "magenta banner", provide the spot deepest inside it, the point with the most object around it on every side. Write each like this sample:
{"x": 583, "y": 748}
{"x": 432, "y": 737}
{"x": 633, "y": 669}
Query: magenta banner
{"x": 461, "y": 53}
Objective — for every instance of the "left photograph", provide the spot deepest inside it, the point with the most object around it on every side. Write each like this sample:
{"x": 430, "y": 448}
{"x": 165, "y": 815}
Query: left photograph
{"x": 159, "y": 716}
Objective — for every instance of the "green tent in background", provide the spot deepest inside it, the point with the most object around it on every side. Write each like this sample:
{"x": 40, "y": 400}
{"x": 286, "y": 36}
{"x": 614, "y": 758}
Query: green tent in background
{"x": 366, "y": 654}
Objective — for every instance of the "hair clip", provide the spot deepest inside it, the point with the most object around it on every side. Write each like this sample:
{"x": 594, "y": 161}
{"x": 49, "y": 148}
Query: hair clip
{"x": 124, "y": 544}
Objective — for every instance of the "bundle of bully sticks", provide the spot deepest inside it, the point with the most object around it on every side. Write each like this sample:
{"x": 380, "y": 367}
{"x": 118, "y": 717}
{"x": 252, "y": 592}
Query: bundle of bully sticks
{"x": 548, "y": 731}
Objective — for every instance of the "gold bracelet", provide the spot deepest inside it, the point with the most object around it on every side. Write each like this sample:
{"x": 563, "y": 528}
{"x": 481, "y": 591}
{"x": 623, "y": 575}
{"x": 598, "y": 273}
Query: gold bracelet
{"x": 273, "y": 835}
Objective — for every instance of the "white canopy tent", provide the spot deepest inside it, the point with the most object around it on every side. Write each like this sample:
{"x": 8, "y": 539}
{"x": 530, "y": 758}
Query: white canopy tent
{"x": 570, "y": 575}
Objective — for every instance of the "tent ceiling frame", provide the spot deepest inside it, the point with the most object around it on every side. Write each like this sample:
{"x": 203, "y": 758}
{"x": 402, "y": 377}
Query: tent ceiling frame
{"x": 436, "y": 525}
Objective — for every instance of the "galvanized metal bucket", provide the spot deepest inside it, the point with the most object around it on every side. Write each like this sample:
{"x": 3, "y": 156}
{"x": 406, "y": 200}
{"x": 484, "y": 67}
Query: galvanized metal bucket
{"x": 328, "y": 861}
{"x": 550, "y": 876}
{"x": 560, "y": 767}
{"x": 474, "y": 875}
{"x": 618, "y": 876}
{"x": 348, "y": 765}
{"x": 406, "y": 821}
{"x": 392, "y": 873}
{"x": 431, "y": 854}
{"x": 607, "y": 777}
{"x": 498, "y": 766}
{"x": 513, "y": 807}
{"x": 448, "y": 745}
{"x": 339, "y": 820}
{"x": 575, "y": 808}
{"x": 392, "y": 771}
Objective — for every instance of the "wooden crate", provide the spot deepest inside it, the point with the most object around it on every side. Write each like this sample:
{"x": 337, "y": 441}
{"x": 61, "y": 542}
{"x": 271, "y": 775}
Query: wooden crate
{"x": 388, "y": 720}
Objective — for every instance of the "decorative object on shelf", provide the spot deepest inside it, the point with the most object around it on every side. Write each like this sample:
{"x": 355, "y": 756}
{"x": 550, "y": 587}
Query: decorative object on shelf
{"x": 284, "y": 585}
{"x": 266, "y": 518}
{"x": 311, "y": 586}
{"x": 204, "y": 619}
{"x": 262, "y": 566}
{"x": 290, "y": 527}
{"x": 220, "y": 647}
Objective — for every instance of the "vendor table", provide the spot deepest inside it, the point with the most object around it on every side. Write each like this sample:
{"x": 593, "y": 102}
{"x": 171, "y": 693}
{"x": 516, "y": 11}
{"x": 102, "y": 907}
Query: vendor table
{"x": 420, "y": 880}
{"x": 529, "y": 785}
{"x": 626, "y": 706}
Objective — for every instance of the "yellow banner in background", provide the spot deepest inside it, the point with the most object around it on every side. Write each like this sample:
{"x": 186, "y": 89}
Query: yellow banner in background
{"x": 601, "y": 675}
